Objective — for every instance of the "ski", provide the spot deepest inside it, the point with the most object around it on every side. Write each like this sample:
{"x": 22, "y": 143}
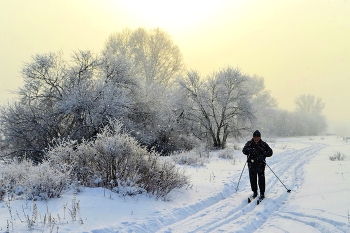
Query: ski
{"x": 251, "y": 198}
{"x": 259, "y": 200}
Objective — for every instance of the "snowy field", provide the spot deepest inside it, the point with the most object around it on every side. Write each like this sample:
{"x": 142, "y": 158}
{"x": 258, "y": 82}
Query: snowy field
{"x": 319, "y": 200}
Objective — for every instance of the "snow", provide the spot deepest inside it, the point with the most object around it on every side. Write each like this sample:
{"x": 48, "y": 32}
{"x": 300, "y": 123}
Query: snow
{"x": 319, "y": 200}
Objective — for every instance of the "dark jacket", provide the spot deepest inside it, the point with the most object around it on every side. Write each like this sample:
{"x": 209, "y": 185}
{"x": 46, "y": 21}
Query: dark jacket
{"x": 255, "y": 150}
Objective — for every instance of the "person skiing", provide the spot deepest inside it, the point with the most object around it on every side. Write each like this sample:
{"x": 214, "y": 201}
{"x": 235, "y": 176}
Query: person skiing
{"x": 257, "y": 150}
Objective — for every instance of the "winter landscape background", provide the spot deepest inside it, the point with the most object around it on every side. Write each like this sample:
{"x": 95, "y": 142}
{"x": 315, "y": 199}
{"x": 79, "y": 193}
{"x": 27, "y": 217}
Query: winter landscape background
{"x": 130, "y": 116}
{"x": 318, "y": 202}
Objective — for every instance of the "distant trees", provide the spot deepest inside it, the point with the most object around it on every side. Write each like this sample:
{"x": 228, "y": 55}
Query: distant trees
{"x": 306, "y": 120}
{"x": 309, "y": 104}
{"x": 153, "y": 54}
{"x": 309, "y": 112}
{"x": 284, "y": 123}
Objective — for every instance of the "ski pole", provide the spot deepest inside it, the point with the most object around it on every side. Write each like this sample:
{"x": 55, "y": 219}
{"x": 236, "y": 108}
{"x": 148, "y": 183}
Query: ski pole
{"x": 241, "y": 175}
{"x": 288, "y": 190}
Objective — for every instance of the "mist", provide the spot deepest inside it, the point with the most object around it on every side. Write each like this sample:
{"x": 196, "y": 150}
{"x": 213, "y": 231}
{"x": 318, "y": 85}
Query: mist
{"x": 299, "y": 47}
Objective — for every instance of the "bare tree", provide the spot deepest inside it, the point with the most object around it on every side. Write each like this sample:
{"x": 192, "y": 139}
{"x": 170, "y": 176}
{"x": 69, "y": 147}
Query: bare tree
{"x": 154, "y": 55}
{"x": 309, "y": 104}
{"x": 30, "y": 123}
{"x": 217, "y": 107}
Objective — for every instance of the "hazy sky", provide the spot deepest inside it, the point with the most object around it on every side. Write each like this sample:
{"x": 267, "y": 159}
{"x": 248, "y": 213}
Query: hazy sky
{"x": 298, "y": 46}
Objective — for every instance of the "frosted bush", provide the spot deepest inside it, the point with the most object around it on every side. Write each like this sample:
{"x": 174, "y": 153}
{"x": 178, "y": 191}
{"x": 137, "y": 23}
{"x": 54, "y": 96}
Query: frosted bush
{"x": 62, "y": 150}
{"x": 159, "y": 178}
{"x": 337, "y": 156}
{"x": 43, "y": 181}
{"x": 115, "y": 159}
{"x": 47, "y": 181}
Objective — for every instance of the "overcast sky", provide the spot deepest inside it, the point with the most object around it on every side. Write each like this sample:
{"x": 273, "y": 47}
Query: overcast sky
{"x": 298, "y": 46}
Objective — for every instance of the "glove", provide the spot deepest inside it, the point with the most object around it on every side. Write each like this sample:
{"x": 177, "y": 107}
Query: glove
{"x": 262, "y": 158}
{"x": 250, "y": 151}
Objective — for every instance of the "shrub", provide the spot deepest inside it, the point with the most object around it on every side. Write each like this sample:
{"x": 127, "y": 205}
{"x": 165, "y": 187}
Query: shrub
{"x": 115, "y": 160}
{"x": 77, "y": 156}
{"x": 41, "y": 181}
{"x": 160, "y": 177}
{"x": 47, "y": 180}
{"x": 337, "y": 156}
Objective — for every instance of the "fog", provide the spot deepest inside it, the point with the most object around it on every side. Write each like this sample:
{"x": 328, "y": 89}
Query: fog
{"x": 299, "y": 47}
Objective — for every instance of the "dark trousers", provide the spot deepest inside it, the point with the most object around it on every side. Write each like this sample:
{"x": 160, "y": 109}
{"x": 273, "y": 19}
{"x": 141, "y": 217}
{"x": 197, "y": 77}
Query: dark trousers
{"x": 257, "y": 172}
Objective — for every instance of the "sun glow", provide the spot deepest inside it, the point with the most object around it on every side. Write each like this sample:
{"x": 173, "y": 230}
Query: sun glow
{"x": 175, "y": 14}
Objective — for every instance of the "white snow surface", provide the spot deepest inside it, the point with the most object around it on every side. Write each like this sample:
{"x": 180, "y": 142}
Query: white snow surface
{"x": 319, "y": 200}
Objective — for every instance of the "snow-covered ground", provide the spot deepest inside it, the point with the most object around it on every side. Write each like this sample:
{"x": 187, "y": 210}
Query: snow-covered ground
{"x": 319, "y": 200}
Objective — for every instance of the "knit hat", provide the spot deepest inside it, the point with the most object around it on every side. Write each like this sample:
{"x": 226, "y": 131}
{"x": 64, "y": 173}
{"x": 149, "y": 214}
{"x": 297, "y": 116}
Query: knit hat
{"x": 256, "y": 133}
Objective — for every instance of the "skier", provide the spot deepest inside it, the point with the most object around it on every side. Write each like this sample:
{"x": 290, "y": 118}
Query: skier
{"x": 257, "y": 150}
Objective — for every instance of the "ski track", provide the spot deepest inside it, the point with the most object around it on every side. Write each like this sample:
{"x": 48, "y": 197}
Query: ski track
{"x": 234, "y": 214}
{"x": 321, "y": 224}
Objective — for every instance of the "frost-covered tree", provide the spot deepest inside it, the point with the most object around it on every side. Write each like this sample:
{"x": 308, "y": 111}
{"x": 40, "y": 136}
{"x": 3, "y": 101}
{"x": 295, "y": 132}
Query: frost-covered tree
{"x": 96, "y": 93}
{"x": 261, "y": 98}
{"x": 75, "y": 98}
{"x": 65, "y": 99}
{"x": 218, "y": 106}
{"x": 155, "y": 61}
{"x": 153, "y": 53}
{"x": 309, "y": 104}
{"x": 30, "y": 123}
{"x": 263, "y": 103}
{"x": 157, "y": 120}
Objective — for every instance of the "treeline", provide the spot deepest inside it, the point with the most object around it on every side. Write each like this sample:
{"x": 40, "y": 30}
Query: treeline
{"x": 283, "y": 123}
{"x": 140, "y": 80}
